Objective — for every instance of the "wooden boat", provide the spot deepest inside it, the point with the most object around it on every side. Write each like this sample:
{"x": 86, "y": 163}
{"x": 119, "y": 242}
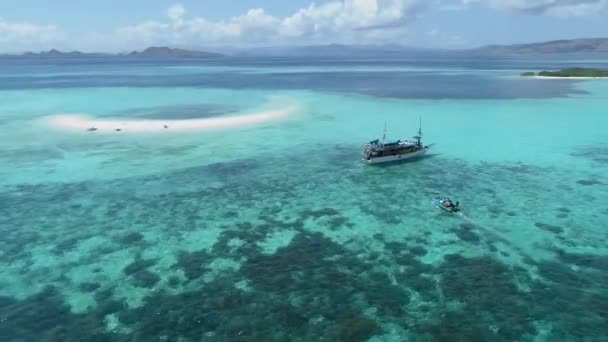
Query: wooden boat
{"x": 376, "y": 152}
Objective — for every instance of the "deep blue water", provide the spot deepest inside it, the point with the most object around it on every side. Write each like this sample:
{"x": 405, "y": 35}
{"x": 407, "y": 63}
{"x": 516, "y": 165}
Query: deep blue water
{"x": 432, "y": 78}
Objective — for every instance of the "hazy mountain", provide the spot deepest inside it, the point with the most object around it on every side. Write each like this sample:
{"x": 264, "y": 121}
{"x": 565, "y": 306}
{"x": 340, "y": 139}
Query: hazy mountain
{"x": 332, "y": 50}
{"x": 166, "y": 52}
{"x": 586, "y": 45}
{"x": 58, "y": 54}
{"x": 151, "y": 52}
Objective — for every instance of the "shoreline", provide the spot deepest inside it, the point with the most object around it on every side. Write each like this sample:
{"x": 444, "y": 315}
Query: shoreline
{"x": 84, "y": 123}
{"x": 567, "y": 77}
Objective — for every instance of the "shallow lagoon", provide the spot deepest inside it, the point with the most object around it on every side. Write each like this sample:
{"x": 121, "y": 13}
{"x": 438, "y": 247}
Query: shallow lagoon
{"x": 277, "y": 232}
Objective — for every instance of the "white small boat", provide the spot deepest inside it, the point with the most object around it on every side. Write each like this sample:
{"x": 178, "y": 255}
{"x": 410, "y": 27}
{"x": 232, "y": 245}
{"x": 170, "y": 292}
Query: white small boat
{"x": 376, "y": 152}
{"x": 446, "y": 204}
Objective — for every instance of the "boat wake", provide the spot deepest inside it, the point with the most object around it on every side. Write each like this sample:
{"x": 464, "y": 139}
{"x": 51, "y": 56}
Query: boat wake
{"x": 487, "y": 230}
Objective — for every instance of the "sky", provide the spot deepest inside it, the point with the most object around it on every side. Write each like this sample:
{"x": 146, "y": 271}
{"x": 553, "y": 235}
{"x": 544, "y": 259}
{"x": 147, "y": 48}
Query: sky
{"x": 117, "y": 26}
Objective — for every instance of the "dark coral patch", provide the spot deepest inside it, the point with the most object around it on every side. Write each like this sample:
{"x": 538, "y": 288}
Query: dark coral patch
{"x": 418, "y": 251}
{"x": 193, "y": 263}
{"x": 386, "y": 215}
{"x": 467, "y": 226}
{"x": 355, "y": 329}
{"x": 456, "y": 327}
{"x": 89, "y": 287}
{"x": 549, "y": 228}
{"x": 138, "y": 270}
{"x": 413, "y": 267}
{"x": 519, "y": 168}
{"x": 573, "y": 302}
{"x": 388, "y": 299}
{"x": 231, "y": 168}
{"x": 420, "y": 240}
{"x": 230, "y": 214}
{"x": 337, "y": 222}
{"x": 14, "y": 244}
{"x": 132, "y": 238}
{"x": 598, "y": 154}
{"x": 396, "y": 247}
{"x": 488, "y": 289}
{"x": 423, "y": 285}
{"x": 145, "y": 278}
{"x": 173, "y": 281}
{"x": 138, "y": 265}
{"x": 589, "y": 182}
{"x": 45, "y": 317}
{"x": 67, "y": 244}
{"x": 320, "y": 213}
{"x": 598, "y": 262}
{"x": 465, "y": 233}
{"x": 305, "y": 254}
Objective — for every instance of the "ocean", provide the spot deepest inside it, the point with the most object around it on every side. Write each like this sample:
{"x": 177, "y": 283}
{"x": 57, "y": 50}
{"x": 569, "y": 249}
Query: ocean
{"x": 226, "y": 200}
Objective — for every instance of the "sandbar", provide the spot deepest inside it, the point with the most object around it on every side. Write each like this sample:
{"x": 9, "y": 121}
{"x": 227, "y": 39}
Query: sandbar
{"x": 83, "y": 122}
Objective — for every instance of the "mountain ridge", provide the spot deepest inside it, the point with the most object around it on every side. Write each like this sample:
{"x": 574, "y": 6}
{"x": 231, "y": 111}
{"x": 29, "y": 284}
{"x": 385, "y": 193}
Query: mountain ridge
{"x": 597, "y": 46}
{"x": 581, "y": 45}
{"x": 150, "y": 52}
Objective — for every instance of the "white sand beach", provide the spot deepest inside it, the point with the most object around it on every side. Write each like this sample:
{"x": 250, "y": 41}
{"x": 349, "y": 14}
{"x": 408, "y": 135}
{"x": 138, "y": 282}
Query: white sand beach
{"x": 82, "y": 122}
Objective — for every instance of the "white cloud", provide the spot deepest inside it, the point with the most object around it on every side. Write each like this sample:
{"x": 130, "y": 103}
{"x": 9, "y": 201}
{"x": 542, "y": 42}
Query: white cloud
{"x": 559, "y": 8}
{"x": 334, "y": 21}
{"x": 176, "y": 12}
{"x": 25, "y": 35}
{"x": 253, "y": 26}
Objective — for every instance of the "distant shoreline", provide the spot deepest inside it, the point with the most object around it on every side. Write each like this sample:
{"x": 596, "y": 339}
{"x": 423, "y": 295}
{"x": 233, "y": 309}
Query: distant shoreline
{"x": 567, "y": 77}
{"x": 569, "y": 73}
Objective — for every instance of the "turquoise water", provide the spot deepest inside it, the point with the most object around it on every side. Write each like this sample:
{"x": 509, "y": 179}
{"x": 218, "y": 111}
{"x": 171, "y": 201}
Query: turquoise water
{"x": 276, "y": 231}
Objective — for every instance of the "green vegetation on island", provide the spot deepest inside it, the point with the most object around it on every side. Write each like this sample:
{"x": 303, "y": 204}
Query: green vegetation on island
{"x": 570, "y": 72}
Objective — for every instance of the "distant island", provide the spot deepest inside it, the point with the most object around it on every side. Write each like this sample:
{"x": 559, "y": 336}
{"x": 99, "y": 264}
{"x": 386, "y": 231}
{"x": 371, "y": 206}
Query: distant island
{"x": 587, "y": 47}
{"x": 571, "y": 72}
{"x": 566, "y": 46}
{"x": 584, "y": 46}
{"x": 165, "y": 52}
{"x": 151, "y": 52}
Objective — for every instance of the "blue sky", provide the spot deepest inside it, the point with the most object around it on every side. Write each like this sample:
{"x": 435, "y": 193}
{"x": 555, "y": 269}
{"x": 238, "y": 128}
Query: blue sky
{"x": 113, "y": 25}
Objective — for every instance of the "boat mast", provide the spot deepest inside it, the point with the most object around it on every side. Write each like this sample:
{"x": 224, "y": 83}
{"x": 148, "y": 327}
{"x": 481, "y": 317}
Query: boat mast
{"x": 384, "y": 136}
{"x": 420, "y": 130}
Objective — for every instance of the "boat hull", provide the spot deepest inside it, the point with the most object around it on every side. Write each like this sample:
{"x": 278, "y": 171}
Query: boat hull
{"x": 439, "y": 204}
{"x": 396, "y": 158}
